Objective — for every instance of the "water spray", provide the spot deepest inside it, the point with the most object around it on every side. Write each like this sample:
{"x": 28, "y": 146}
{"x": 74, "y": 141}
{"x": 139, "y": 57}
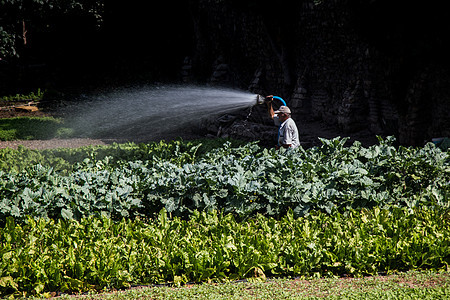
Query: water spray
{"x": 153, "y": 112}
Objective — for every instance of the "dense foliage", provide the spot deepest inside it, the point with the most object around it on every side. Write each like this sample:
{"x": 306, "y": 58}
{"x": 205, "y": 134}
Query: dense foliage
{"x": 94, "y": 253}
{"x": 66, "y": 160}
{"x": 21, "y": 19}
{"x": 241, "y": 180}
{"x": 113, "y": 216}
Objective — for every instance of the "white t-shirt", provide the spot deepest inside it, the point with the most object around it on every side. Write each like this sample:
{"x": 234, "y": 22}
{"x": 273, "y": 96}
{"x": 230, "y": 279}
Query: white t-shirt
{"x": 288, "y": 134}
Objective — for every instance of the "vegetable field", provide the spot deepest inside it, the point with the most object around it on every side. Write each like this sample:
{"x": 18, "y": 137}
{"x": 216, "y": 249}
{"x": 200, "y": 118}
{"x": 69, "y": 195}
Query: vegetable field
{"x": 114, "y": 216}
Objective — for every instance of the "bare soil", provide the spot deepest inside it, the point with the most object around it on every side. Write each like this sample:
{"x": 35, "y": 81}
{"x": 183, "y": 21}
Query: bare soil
{"x": 52, "y": 144}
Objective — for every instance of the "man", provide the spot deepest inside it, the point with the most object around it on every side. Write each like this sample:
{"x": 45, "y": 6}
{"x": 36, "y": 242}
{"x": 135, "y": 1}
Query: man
{"x": 287, "y": 132}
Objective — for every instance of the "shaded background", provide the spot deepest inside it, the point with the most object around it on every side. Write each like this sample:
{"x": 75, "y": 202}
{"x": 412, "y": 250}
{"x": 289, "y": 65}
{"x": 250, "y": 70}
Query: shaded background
{"x": 356, "y": 65}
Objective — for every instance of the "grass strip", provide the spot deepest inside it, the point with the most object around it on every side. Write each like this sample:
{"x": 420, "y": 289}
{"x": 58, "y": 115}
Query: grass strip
{"x": 408, "y": 285}
{"x": 32, "y": 128}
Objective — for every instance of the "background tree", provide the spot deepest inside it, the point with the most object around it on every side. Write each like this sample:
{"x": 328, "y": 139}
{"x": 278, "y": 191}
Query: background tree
{"x": 22, "y": 21}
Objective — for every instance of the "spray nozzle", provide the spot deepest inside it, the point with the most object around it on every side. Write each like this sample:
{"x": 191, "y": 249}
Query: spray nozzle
{"x": 259, "y": 99}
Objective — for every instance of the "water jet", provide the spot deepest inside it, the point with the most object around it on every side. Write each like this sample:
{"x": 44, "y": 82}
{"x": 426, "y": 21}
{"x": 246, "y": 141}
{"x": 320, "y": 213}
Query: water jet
{"x": 153, "y": 112}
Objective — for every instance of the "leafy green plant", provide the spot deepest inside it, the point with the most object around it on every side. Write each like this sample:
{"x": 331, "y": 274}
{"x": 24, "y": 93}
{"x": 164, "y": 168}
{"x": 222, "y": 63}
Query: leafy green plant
{"x": 245, "y": 180}
{"x": 62, "y": 160}
{"x": 45, "y": 255}
{"x": 32, "y": 96}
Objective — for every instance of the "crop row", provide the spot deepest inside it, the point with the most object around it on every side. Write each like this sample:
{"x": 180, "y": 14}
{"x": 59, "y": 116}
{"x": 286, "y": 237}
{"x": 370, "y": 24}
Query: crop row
{"x": 241, "y": 180}
{"x": 96, "y": 253}
{"x": 65, "y": 160}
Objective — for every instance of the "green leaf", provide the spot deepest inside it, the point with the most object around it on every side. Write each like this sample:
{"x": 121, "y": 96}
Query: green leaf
{"x": 67, "y": 213}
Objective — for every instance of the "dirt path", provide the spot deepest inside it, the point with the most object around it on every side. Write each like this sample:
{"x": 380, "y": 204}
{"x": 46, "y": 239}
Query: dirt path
{"x": 53, "y": 143}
